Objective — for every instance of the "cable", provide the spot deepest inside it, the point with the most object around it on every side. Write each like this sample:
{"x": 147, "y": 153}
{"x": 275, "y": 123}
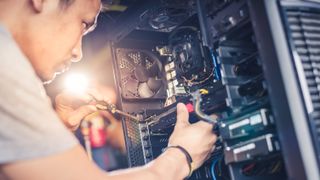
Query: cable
{"x": 212, "y": 169}
{"x": 196, "y": 98}
{"x": 216, "y": 65}
{"x": 191, "y": 82}
{"x": 249, "y": 167}
{"x": 86, "y": 137}
{"x": 219, "y": 166}
{"x": 203, "y": 91}
{"x": 276, "y": 167}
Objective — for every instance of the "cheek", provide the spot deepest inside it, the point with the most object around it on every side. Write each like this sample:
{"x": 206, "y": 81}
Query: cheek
{"x": 69, "y": 36}
{"x": 64, "y": 40}
{"x": 40, "y": 55}
{"x": 55, "y": 47}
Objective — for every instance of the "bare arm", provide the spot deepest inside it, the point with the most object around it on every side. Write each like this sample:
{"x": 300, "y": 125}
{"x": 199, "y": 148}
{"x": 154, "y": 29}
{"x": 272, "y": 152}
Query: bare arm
{"x": 74, "y": 164}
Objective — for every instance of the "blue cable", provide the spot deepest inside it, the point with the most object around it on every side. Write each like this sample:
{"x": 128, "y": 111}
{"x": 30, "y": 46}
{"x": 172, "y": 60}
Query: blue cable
{"x": 216, "y": 65}
{"x": 212, "y": 169}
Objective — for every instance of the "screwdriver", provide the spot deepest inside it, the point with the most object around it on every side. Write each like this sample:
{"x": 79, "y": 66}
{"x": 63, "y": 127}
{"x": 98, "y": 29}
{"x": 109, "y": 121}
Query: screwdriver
{"x": 106, "y": 106}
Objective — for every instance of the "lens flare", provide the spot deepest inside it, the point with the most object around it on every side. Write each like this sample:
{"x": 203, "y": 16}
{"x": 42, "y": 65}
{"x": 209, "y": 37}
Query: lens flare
{"x": 77, "y": 83}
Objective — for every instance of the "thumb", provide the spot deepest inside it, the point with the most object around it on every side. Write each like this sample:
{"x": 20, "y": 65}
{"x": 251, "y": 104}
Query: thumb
{"x": 108, "y": 116}
{"x": 79, "y": 114}
{"x": 182, "y": 116}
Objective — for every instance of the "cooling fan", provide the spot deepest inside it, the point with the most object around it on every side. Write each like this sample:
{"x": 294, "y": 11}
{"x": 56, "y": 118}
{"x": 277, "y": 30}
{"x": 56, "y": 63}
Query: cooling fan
{"x": 141, "y": 74}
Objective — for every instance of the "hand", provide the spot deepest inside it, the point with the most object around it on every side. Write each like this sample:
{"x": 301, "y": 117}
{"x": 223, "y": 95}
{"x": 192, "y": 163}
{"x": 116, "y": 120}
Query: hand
{"x": 198, "y": 138}
{"x": 72, "y": 107}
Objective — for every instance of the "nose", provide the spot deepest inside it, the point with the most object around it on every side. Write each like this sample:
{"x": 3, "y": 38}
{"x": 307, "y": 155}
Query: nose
{"x": 77, "y": 51}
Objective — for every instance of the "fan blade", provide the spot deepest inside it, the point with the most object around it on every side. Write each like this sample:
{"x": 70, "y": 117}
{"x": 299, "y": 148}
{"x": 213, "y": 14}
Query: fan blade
{"x": 144, "y": 90}
{"x": 130, "y": 88}
{"x": 141, "y": 73}
{"x": 154, "y": 84}
{"x": 154, "y": 69}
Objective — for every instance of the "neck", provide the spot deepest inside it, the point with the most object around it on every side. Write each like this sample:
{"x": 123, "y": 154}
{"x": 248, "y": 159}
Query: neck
{"x": 10, "y": 15}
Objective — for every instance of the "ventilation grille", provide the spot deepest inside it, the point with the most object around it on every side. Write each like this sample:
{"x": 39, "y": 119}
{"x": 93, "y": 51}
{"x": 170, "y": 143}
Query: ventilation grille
{"x": 305, "y": 35}
{"x": 134, "y": 144}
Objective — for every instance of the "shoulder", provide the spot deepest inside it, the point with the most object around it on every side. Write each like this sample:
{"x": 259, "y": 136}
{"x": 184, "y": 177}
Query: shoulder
{"x": 15, "y": 68}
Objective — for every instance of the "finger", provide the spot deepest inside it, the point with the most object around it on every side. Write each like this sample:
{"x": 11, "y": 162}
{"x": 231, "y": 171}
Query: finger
{"x": 108, "y": 93}
{"x": 98, "y": 96}
{"x": 109, "y": 116}
{"x": 79, "y": 96}
{"x": 182, "y": 116}
{"x": 69, "y": 98}
{"x": 94, "y": 93}
{"x": 204, "y": 125}
{"x": 112, "y": 121}
{"x": 210, "y": 152}
{"x": 212, "y": 149}
{"x": 105, "y": 114}
{"x": 112, "y": 126}
{"x": 214, "y": 116}
{"x": 79, "y": 114}
{"x": 214, "y": 139}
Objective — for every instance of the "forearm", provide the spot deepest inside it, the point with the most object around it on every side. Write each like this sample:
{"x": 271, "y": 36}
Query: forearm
{"x": 73, "y": 164}
{"x": 172, "y": 164}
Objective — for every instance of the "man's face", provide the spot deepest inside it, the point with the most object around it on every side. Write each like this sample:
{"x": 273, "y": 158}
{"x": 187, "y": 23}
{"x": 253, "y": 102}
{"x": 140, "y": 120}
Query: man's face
{"x": 53, "y": 36}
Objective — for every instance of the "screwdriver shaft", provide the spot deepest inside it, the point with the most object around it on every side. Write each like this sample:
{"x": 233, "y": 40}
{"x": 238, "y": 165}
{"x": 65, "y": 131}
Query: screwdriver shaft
{"x": 113, "y": 111}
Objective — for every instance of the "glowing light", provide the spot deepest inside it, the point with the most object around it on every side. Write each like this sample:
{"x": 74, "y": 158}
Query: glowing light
{"x": 76, "y": 83}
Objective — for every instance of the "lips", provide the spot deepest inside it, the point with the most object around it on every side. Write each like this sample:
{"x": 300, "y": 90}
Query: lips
{"x": 64, "y": 67}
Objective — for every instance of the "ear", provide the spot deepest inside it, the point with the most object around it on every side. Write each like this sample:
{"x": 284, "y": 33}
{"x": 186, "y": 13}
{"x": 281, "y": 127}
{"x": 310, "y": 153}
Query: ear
{"x": 37, "y": 5}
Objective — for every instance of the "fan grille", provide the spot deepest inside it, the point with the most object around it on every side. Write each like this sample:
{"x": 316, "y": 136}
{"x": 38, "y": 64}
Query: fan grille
{"x": 130, "y": 61}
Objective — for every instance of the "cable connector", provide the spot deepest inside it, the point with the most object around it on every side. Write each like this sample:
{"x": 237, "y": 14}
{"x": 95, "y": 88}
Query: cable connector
{"x": 196, "y": 98}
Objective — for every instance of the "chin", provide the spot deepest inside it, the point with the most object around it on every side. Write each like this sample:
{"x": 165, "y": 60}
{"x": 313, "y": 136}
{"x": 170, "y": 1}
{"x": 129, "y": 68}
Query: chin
{"x": 48, "y": 79}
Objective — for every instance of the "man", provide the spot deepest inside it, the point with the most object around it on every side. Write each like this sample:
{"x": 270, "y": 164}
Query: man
{"x": 39, "y": 39}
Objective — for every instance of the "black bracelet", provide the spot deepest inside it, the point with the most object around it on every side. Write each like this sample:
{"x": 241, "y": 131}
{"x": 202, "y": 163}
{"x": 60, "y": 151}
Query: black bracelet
{"x": 188, "y": 157}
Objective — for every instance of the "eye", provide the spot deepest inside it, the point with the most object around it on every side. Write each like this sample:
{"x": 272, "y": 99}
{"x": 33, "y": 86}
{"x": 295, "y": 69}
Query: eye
{"x": 85, "y": 25}
{"x": 88, "y": 26}
{"x": 85, "y": 28}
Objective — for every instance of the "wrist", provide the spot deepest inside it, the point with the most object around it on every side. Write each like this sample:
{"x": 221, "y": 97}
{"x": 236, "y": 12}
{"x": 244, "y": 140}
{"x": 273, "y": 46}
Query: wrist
{"x": 171, "y": 164}
{"x": 176, "y": 156}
